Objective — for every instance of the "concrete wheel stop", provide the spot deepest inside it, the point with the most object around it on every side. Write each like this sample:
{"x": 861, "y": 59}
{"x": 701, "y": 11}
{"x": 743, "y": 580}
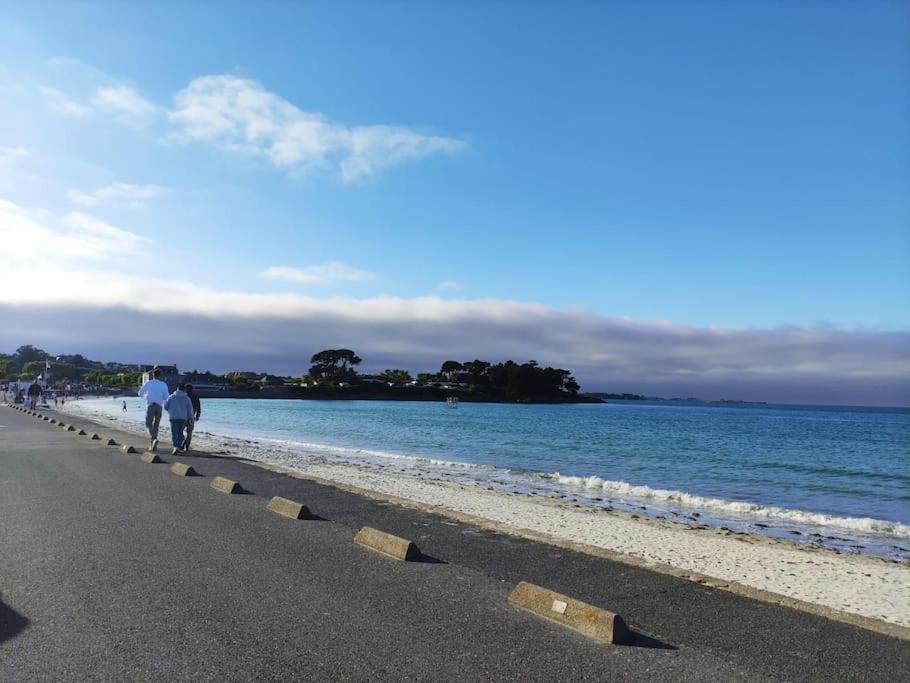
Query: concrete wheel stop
{"x": 387, "y": 544}
{"x": 594, "y": 622}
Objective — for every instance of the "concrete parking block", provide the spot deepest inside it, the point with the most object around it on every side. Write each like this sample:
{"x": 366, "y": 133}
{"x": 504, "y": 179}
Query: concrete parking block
{"x": 150, "y": 457}
{"x": 387, "y": 544}
{"x": 289, "y": 508}
{"x": 589, "y": 620}
{"x": 182, "y": 470}
{"x": 226, "y": 485}
{"x": 127, "y": 449}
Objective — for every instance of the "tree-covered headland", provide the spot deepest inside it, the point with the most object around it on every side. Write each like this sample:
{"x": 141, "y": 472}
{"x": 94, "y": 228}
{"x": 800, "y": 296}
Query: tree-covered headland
{"x": 332, "y": 373}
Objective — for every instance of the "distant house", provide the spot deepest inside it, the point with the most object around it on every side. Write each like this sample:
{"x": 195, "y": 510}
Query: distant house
{"x": 206, "y": 385}
{"x": 169, "y": 374}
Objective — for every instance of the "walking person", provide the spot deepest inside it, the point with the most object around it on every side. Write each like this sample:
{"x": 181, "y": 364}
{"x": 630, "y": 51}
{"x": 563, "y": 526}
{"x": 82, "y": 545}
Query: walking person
{"x": 197, "y": 415}
{"x": 34, "y": 393}
{"x": 180, "y": 411}
{"x": 155, "y": 393}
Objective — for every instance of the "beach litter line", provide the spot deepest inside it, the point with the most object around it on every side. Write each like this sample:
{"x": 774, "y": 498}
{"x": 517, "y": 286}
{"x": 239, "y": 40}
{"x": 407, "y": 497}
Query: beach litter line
{"x": 182, "y": 470}
{"x": 289, "y": 508}
{"x": 387, "y": 544}
{"x": 150, "y": 457}
{"x": 594, "y": 622}
{"x": 226, "y": 485}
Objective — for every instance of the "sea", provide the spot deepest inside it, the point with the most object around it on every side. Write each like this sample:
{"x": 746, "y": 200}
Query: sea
{"x": 830, "y": 477}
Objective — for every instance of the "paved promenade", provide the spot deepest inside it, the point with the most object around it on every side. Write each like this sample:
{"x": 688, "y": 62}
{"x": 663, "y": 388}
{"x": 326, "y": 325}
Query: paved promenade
{"x": 111, "y": 568}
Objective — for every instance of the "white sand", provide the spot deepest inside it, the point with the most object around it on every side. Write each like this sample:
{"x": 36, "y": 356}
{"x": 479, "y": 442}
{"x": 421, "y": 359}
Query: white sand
{"x": 856, "y": 584}
{"x": 851, "y": 584}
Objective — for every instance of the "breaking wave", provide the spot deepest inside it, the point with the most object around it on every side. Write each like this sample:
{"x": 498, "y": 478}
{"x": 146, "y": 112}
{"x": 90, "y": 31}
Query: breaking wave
{"x": 689, "y": 500}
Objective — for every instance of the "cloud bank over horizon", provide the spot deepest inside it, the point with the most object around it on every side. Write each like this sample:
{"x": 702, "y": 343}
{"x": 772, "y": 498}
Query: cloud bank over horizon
{"x": 790, "y": 364}
{"x": 75, "y": 298}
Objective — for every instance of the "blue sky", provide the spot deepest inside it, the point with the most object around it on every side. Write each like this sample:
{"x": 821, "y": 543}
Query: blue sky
{"x": 714, "y": 166}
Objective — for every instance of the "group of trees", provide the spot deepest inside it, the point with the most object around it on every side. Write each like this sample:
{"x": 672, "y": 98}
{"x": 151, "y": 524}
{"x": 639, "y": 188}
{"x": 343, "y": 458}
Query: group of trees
{"x": 334, "y": 365}
{"x": 515, "y": 381}
{"x": 28, "y": 361}
{"x": 328, "y": 368}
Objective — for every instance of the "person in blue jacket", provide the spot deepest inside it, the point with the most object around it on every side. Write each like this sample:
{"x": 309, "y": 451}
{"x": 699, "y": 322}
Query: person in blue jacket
{"x": 180, "y": 411}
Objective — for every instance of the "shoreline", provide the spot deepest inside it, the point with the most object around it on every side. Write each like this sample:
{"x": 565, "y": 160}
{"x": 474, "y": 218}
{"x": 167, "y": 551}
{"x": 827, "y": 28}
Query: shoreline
{"x": 859, "y": 589}
{"x": 827, "y": 527}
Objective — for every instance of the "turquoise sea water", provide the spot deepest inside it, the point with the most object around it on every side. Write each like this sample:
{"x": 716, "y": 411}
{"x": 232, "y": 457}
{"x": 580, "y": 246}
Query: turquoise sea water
{"x": 842, "y": 474}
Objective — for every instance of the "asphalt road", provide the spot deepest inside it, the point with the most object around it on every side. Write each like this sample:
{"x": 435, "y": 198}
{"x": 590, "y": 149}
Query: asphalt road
{"x": 111, "y": 568}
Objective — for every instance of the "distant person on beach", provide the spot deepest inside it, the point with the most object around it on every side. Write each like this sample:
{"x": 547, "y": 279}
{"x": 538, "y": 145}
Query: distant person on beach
{"x": 124, "y": 406}
{"x": 179, "y": 408}
{"x": 155, "y": 393}
{"x": 197, "y": 415}
{"x": 34, "y": 393}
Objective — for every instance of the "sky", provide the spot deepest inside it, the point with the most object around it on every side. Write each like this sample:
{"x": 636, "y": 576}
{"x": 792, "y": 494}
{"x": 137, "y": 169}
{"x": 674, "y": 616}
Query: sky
{"x": 705, "y": 199}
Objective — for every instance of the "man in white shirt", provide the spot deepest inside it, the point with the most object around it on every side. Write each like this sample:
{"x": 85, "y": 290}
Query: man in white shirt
{"x": 155, "y": 393}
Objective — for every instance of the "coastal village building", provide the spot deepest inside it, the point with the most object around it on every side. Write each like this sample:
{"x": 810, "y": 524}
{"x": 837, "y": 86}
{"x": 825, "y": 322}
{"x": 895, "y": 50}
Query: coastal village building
{"x": 170, "y": 375}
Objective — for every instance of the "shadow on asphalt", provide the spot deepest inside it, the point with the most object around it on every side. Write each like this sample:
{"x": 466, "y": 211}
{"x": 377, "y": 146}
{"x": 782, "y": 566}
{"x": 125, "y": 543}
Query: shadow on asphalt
{"x": 11, "y": 623}
{"x": 317, "y": 518}
{"x": 423, "y": 558}
{"x": 641, "y": 640}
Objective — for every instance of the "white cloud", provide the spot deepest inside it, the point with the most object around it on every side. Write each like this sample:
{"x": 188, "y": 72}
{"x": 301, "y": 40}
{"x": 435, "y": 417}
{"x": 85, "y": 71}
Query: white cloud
{"x": 33, "y": 240}
{"x": 12, "y": 156}
{"x": 450, "y": 285}
{"x": 64, "y": 104}
{"x": 125, "y": 102}
{"x": 240, "y": 115}
{"x": 121, "y": 102}
{"x": 133, "y": 195}
{"x": 65, "y": 303}
{"x": 13, "y": 152}
{"x": 225, "y": 328}
{"x": 326, "y": 273}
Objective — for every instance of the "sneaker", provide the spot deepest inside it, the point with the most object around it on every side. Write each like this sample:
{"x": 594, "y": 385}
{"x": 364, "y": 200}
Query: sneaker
{"x": 154, "y": 445}
{"x": 175, "y": 451}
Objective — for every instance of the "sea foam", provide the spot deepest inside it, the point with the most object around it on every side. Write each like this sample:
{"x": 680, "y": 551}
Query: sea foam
{"x": 624, "y": 489}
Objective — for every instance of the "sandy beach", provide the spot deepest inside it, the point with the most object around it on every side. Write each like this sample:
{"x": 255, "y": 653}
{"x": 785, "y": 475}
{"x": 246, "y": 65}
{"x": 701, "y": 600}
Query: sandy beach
{"x": 847, "y": 585}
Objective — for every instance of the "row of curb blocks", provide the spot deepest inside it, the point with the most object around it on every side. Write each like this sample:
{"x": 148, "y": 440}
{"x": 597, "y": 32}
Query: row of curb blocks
{"x": 589, "y": 620}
